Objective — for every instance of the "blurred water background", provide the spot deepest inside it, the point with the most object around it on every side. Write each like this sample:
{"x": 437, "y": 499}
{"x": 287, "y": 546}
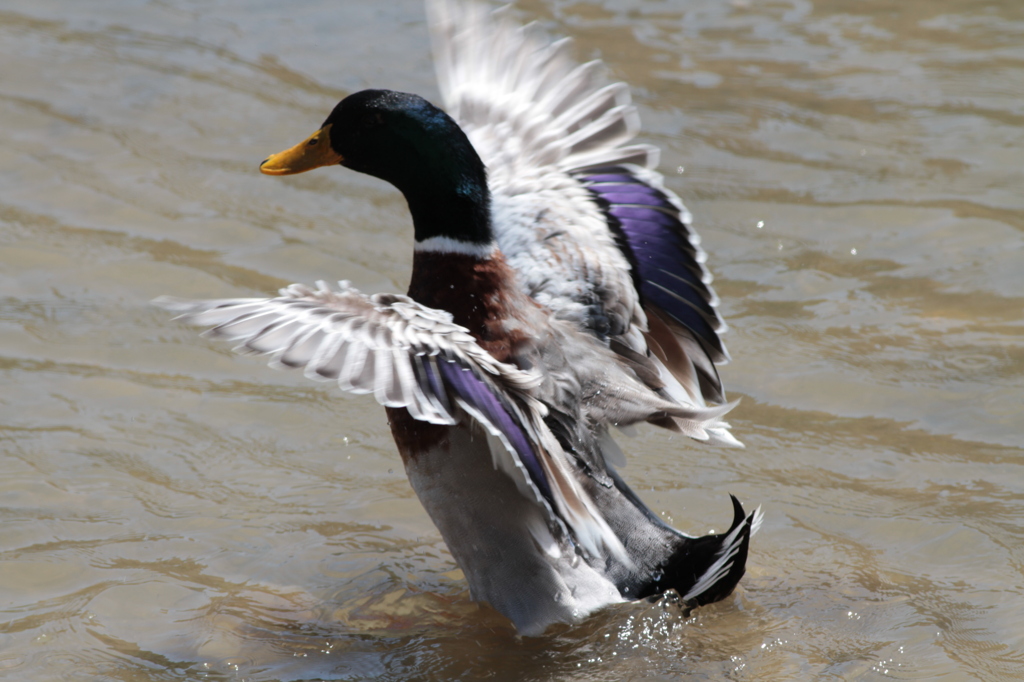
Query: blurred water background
{"x": 170, "y": 511}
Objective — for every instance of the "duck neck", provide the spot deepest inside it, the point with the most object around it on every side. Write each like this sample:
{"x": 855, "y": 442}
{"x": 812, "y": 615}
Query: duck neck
{"x": 456, "y": 261}
{"x": 460, "y": 215}
{"x": 453, "y": 211}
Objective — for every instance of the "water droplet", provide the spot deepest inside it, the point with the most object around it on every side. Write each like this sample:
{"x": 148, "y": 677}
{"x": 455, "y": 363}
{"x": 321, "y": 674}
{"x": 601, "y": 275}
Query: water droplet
{"x": 853, "y": 252}
{"x": 760, "y": 224}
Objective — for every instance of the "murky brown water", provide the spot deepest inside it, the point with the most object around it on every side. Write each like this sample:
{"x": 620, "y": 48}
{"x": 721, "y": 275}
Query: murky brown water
{"x": 171, "y": 511}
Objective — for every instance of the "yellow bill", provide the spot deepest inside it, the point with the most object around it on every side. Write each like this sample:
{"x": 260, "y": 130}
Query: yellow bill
{"x": 313, "y": 152}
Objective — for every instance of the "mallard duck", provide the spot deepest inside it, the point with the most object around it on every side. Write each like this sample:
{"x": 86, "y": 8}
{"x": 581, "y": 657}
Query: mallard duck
{"x": 557, "y": 290}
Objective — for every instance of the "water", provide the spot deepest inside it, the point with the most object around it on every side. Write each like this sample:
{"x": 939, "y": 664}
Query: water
{"x": 172, "y": 511}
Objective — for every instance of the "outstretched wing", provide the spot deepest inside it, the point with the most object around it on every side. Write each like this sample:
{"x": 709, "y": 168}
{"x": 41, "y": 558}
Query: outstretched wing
{"x": 414, "y": 357}
{"x": 384, "y": 344}
{"x": 674, "y": 283}
{"x": 589, "y": 226}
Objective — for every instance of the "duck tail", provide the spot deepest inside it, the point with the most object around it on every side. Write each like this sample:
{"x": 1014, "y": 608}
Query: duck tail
{"x": 707, "y": 569}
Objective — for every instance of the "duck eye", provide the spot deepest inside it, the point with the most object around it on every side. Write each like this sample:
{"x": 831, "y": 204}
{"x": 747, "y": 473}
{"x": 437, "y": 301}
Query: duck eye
{"x": 313, "y": 142}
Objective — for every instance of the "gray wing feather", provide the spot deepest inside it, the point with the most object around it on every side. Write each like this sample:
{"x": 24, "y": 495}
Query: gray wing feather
{"x": 535, "y": 116}
{"x": 540, "y": 121}
{"x": 368, "y": 344}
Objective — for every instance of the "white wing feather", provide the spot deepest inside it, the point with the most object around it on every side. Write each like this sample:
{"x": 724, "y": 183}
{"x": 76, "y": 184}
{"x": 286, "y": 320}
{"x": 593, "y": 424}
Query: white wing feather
{"x": 536, "y": 117}
{"x": 368, "y": 344}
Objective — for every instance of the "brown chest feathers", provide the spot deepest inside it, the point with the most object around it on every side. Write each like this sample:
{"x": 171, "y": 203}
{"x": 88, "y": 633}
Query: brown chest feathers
{"x": 481, "y": 294}
{"x": 413, "y": 436}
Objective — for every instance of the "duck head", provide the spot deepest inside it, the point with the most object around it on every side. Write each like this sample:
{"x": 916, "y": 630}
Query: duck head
{"x": 407, "y": 141}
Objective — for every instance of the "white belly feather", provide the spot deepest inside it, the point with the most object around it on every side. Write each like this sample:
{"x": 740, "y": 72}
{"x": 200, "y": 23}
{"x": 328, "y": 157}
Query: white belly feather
{"x": 500, "y": 539}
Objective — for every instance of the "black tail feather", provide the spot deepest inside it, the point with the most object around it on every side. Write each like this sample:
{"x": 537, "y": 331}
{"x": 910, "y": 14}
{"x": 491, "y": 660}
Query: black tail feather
{"x": 702, "y": 570}
{"x": 707, "y": 569}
